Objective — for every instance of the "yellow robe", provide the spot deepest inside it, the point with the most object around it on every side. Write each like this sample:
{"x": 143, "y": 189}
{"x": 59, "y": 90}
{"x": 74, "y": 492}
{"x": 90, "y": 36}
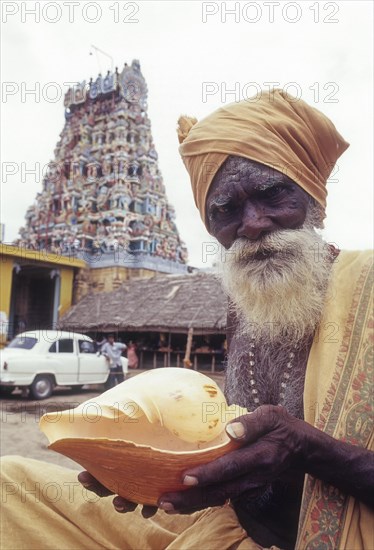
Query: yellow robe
{"x": 44, "y": 507}
{"x": 338, "y": 400}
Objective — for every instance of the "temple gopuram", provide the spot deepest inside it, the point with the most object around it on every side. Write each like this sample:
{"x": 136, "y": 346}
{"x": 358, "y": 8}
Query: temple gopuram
{"x": 103, "y": 199}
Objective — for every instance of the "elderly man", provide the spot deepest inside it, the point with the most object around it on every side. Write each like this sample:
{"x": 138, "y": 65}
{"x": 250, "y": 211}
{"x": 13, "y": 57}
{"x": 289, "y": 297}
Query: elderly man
{"x": 299, "y": 355}
{"x": 258, "y": 172}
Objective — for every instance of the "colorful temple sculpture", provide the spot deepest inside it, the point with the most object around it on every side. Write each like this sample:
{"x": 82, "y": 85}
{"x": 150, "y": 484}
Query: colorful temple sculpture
{"x": 103, "y": 199}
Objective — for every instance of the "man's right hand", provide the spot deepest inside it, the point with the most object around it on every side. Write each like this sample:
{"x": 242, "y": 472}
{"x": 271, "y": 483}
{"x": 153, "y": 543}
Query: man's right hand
{"x": 120, "y": 504}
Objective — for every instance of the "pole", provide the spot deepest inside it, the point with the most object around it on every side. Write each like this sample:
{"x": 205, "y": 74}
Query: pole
{"x": 187, "y": 361}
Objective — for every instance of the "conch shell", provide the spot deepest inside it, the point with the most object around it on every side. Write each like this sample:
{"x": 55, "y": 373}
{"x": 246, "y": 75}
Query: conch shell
{"x": 139, "y": 437}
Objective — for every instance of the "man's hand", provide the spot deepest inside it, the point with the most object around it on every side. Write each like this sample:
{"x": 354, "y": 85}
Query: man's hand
{"x": 120, "y": 504}
{"x": 273, "y": 442}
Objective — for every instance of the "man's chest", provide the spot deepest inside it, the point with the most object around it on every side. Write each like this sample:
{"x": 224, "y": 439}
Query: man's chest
{"x": 259, "y": 373}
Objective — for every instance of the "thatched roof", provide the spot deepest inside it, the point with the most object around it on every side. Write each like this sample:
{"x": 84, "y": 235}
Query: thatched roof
{"x": 170, "y": 303}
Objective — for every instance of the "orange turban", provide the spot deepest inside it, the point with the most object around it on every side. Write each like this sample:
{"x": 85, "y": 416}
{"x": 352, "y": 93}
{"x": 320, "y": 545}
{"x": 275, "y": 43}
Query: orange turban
{"x": 276, "y": 129}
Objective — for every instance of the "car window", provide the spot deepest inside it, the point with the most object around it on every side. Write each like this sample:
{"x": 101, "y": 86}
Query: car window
{"x": 53, "y": 348}
{"x": 65, "y": 345}
{"x": 86, "y": 347}
{"x": 23, "y": 342}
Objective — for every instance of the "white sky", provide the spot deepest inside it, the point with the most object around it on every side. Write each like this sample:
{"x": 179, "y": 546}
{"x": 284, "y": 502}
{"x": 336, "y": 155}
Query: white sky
{"x": 178, "y": 53}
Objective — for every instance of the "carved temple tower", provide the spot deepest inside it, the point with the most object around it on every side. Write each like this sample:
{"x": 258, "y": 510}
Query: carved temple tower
{"x": 103, "y": 199}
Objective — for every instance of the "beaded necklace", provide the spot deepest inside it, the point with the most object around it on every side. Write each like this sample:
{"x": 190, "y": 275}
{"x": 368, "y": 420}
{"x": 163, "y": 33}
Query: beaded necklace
{"x": 286, "y": 374}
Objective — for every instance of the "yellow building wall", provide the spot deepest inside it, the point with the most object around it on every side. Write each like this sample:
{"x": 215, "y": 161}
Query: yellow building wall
{"x": 12, "y": 254}
{"x": 6, "y": 275}
{"x": 66, "y": 290}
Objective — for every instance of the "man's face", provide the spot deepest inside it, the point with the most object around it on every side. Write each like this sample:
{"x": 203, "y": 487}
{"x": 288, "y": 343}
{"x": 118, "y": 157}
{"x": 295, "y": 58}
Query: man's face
{"x": 111, "y": 340}
{"x": 249, "y": 200}
{"x": 270, "y": 272}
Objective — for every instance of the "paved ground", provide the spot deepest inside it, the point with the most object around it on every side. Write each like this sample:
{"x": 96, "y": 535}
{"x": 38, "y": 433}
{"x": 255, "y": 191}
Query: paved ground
{"x": 20, "y": 434}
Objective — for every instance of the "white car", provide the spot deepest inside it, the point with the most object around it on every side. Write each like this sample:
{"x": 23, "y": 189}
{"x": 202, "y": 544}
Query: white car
{"x": 42, "y": 359}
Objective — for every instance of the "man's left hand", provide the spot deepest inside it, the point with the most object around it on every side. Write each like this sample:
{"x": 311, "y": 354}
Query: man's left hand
{"x": 272, "y": 442}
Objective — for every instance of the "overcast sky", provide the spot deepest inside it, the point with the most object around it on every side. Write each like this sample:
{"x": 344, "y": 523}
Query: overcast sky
{"x": 191, "y": 54}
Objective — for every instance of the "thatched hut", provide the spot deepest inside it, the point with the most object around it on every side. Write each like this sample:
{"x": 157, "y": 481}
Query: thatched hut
{"x": 171, "y": 318}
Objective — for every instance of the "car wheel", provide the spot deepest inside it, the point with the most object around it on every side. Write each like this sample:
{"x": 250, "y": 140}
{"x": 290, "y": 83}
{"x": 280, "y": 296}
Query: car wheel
{"x": 76, "y": 389}
{"x": 42, "y": 387}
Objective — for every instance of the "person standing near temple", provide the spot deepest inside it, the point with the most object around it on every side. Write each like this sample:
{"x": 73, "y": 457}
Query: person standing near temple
{"x": 112, "y": 351}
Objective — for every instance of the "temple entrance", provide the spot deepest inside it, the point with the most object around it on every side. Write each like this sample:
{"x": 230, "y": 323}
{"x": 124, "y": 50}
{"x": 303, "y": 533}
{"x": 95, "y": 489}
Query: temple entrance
{"x": 34, "y": 300}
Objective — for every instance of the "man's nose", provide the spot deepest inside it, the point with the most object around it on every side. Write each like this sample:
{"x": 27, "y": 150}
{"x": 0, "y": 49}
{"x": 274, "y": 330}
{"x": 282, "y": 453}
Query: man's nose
{"x": 254, "y": 222}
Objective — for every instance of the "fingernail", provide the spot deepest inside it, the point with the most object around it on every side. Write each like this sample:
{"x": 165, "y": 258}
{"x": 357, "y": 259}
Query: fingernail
{"x": 190, "y": 480}
{"x": 119, "y": 508}
{"x": 235, "y": 430}
{"x": 166, "y": 506}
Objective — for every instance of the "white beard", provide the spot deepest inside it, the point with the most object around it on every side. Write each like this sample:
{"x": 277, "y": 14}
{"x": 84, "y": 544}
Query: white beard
{"x": 277, "y": 285}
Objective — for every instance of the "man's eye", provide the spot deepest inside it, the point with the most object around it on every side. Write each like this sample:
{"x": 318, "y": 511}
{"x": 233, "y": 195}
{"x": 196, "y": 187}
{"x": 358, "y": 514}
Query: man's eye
{"x": 274, "y": 192}
{"x": 224, "y": 208}
{"x": 221, "y": 210}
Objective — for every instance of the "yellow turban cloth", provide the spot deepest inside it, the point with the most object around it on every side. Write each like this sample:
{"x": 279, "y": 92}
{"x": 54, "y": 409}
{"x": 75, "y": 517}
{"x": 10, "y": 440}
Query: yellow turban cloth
{"x": 276, "y": 129}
